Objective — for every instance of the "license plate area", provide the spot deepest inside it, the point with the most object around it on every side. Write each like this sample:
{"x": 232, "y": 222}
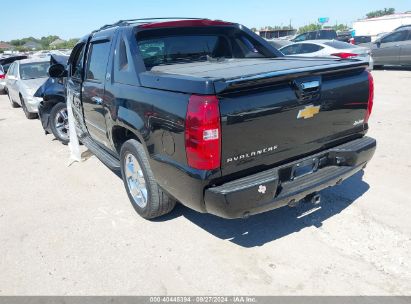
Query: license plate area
{"x": 304, "y": 168}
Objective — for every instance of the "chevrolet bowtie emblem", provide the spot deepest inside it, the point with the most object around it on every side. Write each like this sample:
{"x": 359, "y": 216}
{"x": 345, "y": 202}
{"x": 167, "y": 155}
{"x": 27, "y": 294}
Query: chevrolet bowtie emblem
{"x": 308, "y": 112}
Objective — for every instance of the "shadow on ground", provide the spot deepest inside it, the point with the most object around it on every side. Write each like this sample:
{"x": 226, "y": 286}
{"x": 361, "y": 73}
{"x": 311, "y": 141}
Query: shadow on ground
{"x": 263, "y": 228}
{"x": 392, "y": 68}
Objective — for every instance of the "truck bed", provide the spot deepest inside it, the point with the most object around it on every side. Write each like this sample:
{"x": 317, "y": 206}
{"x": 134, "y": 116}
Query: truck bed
{"x": 209, "y": 77}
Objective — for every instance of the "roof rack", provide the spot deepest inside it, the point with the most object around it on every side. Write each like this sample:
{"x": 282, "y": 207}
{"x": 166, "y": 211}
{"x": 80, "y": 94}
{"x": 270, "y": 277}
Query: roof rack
{"x": 143, "y": 20}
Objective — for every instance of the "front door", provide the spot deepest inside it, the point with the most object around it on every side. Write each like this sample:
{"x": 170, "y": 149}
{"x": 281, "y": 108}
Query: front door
{"x": 74, "y": 85}
{"x": 93, "y": 89}
{"x": 387, "y": 51}
{"x": 405, "y": 55}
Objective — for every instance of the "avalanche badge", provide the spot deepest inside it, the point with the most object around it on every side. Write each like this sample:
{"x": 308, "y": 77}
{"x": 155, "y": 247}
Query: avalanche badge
{"x": 308, "y": 112}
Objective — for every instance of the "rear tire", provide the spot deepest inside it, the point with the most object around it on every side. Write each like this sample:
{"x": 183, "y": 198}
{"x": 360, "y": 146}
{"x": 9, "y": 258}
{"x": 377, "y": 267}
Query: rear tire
{"x": 12, "y": 103}
{"x": 59, "y": 123}
{"x": 147, "y": 198}
{"x": 28, "y": 114}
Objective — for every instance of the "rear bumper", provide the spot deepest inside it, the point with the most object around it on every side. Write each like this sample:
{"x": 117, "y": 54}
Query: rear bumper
{"x": 276, "y": 187}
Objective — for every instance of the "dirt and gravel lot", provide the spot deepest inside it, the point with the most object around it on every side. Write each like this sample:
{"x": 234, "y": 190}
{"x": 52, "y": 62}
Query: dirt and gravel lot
{"x": 70, "y": 230}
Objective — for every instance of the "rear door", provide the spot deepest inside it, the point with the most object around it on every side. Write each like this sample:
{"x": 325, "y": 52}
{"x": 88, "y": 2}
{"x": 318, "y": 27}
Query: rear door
{"x": 388, "y": 50}
{"x": 94, "y": 86}
{"x": 405, "y": 54}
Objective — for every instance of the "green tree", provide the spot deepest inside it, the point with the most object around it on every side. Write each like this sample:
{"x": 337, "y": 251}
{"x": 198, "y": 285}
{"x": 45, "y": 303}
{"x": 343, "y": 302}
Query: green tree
{"x": 20, "y": 42}
{"x": 380, "y": 13}
{"x": 341, "y": 27}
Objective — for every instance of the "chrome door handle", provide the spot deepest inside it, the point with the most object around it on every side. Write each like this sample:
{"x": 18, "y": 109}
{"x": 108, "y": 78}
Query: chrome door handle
{"x": 97, "y": 100}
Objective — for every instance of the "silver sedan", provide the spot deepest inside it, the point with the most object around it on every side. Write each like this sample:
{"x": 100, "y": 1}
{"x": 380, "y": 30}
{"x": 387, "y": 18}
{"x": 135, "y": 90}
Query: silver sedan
{"x": 23, "y": 79}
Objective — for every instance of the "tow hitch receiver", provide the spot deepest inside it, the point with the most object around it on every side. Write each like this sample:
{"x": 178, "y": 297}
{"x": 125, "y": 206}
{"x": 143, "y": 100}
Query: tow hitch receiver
{"x": 313, "y": 198}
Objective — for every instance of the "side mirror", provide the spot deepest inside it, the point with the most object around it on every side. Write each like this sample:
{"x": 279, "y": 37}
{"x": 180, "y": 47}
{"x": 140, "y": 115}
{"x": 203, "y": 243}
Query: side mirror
{"x": 57, "y": 71}
{"x": 378, "y": 43}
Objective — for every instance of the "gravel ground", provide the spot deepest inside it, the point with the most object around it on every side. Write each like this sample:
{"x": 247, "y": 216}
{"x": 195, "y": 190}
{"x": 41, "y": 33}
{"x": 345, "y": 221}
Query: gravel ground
{"x": 70, "y": 230}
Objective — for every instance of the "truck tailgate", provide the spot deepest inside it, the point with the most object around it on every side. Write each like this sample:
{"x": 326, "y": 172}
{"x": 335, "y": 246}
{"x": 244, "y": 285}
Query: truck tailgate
{"x": 270, "y": 121}
{"x": 275, "y": 110}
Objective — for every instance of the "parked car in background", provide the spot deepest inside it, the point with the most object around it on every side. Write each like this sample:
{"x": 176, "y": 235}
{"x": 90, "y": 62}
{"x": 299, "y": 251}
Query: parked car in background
{"x": 393, "y": 49}
{"x": 344, "y": 36}
{"x": 324, "y": 48}
{"x": 5, "y": 63}
{"x": 52, "y": 108}
{"x": 22, "y": 81}
{"x": 362, "y": 40}
{"x": 316, "y": 35}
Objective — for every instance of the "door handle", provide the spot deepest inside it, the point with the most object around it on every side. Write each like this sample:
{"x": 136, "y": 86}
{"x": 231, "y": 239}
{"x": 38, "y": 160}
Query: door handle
{"x": 97, "y": 100}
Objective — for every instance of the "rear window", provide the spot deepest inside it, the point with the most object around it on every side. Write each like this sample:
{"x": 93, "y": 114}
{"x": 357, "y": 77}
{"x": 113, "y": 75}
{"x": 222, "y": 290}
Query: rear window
{"x": 34, "y": 70}
{"x": 170, "y": 46}
{"x": 340, "y": 45}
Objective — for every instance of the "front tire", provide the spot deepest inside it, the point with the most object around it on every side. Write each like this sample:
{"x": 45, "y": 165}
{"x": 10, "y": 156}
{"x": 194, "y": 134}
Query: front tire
{"x": 59, "y": 123}
{"x": 28, "y": 114}
{"x": 147, "y": 198}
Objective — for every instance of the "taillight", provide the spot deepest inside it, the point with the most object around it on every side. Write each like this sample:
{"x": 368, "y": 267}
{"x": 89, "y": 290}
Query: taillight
{"x": 2, "y": 76}
{"x": 370, "y": 97}
{"x": 344, "y": 55}
{"x": 203, "y": 132}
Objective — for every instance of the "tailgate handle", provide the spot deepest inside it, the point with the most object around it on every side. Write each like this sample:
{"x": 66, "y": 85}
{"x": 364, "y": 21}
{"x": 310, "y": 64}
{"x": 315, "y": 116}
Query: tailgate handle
{"x": 307, "y": 89}
{"x": 310, "y": 85}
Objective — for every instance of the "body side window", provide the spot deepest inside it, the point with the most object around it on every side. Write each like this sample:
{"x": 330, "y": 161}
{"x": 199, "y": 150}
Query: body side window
{"x": 123, "y": 71}
{"x": 395, "y": 37}
{"x": 97, "y": 61}
{"x": 307, "y": 48}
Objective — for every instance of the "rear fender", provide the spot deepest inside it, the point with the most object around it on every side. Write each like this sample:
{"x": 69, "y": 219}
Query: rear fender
{"x": 132, "y": 122}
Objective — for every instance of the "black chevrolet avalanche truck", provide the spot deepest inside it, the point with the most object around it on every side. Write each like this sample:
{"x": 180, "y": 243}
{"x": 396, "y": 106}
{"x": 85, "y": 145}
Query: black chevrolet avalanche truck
{"x": 207, "y": 113}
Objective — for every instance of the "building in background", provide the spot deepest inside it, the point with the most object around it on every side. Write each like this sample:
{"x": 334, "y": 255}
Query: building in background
{"x": 56, "y": 43}
{"x": 271, "y": 34}
{"x": 376, "y": 26}
{"x": 5, "y": 46}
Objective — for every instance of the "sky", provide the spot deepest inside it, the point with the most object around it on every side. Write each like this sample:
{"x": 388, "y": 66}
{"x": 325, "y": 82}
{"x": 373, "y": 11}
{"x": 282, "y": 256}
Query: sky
{"x": 75, "y": 18}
